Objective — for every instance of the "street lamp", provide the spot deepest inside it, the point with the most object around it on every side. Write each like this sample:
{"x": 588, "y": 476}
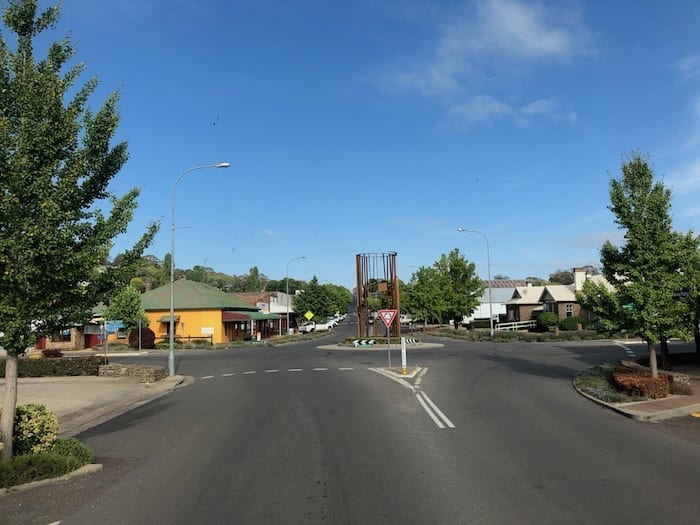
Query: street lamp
{"x": 287, "y": 281}
{"x": 488, "y": 269}
{"x": 171, "y": 352}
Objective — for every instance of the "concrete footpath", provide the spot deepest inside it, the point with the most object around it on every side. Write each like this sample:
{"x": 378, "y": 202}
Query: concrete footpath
{"x": 82, "y": 402}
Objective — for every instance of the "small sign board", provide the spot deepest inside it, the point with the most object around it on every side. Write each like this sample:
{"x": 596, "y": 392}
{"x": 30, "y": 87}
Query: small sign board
{"x": 309, "y": 315}
{"x": 112, "y": 327}
{"x": 387, "y": 316}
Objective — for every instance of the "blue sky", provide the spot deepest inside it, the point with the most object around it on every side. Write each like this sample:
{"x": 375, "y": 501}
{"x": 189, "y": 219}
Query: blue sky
{"x": 375, "y": 126}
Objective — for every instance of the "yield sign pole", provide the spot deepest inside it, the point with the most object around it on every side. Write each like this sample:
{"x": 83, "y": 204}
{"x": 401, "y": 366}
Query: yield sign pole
{"x": 387, "y": 317}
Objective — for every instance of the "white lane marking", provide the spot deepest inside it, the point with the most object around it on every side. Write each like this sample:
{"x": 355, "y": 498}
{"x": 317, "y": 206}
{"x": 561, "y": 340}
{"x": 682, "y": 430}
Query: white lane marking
{"x": 249, "y": 372}
{"x": 320, "y": 369}
{"x": 437, "y": 410}
{"x": 626, "y": 348}
{"x": 295, "y": 370}
{"x": 430, "y": 408}
{"x": 206, "y": 377}
{"x": 345, "y": 369}
{"x": 430, "y": 412}
{"x": 228, "y": 375}
{"x": 271, "y": 371}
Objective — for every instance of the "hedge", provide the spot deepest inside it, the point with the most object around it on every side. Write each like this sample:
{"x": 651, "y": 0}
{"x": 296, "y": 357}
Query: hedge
{"x": 59, "y": 366}
{"x": 640, "y": 383}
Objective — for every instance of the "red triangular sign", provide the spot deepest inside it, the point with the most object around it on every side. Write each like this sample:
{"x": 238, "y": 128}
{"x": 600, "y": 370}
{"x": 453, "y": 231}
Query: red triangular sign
{"x": 387, "y": 316}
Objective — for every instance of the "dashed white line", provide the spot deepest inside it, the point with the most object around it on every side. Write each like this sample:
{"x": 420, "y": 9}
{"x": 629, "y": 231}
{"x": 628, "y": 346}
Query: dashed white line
{"x": 295, "y": 370}
{"x": 249, "y": 372}
{"x": 206, "y": 377}
{"x": 320, "y": 369}
{"x": 345, "y": 369}
{"x": 228, "y": 375}
{"x": 271, "y": 371}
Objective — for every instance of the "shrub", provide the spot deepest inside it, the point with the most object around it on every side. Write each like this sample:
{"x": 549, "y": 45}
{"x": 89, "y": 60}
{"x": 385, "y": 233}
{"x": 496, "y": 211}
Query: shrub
{"x": 33, "y": 467}
{"x": 640, "y": 383}
{"x": 572, "y": 323}
{"x": 148, "y": 338}
{"x": 64, "y": 366}
{"x": 35, "y": 429}
{"x": 71, "y": 447}
{"x": 52, "y": 352}
{"x": 546, "y": 321}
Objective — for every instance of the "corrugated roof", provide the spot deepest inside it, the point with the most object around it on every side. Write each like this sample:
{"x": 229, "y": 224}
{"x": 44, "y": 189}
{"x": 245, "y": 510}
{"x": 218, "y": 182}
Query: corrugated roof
{"x": 506, "y": 283}
{"x": 193, "y": 295}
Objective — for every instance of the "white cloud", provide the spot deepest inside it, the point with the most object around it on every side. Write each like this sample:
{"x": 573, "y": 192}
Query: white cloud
{"x": 685, "y": 179}
{"x": 485, "y": 108}
{"x": 269, "y": 233}
{"x": 689, "y": 66}
{"x": 480, "y": 109}
{"x": 496, "y": 38}
{"x": 553, "y": 108}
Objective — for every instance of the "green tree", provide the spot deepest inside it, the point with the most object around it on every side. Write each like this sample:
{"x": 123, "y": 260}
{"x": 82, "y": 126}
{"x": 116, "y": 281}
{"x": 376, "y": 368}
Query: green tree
{"x": 315, "y": 299}
{"x": 138, "y": 283}
{"x": 253, "y": 282}
{"x": 562, "y": 277}
{"x": 423, "y": 299}
{"x": 340, "y": 297}
{"x": 126, "y": 306}
{"x": 459, "y": 286}
{"x": 652, "y": 264}
{"x": 56, "y": 163}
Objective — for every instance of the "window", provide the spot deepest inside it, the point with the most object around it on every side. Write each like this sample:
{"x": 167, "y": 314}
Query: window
{"x": 569, "y": 310}
{"x": 61, "y": 337}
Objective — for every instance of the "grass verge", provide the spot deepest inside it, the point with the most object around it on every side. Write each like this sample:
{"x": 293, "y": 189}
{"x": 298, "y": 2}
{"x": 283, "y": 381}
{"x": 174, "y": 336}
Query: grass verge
{"x": 598, "y": 382}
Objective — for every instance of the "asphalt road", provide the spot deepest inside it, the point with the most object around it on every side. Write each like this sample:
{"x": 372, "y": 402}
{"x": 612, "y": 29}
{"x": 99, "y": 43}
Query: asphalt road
{"x": 490, "y": 433}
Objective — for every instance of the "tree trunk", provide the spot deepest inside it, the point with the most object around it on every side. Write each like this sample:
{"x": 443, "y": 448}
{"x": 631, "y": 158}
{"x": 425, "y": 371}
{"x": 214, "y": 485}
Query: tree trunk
{"x": 9, "y": 405}
{"x": 652, "y": 359}
{"x": 665, "y": 361}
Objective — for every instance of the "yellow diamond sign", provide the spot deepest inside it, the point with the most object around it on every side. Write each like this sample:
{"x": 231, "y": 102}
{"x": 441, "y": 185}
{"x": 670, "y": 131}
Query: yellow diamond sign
{"x": 309, "y": 315}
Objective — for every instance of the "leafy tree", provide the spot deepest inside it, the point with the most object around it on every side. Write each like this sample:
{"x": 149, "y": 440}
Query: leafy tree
{"x": 316, "y": 299}
{"x": 126, "y": 306}
{"x": 340, "y": 297}
{"x": 562, "y": 277}
{"x": 459, "y": 286}
{"x": 252, "y": 281}
{"x": 56, "y": 163}
{"x": 138, "y": 283}
{"x": 423, "y": 299}
{"x": 500, "y": 276}
{"x": 652, "y": 264}
{"x": 536, "y": 281}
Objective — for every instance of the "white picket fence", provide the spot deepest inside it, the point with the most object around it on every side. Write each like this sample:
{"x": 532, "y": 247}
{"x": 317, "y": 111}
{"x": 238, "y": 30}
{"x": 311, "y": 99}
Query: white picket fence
{"x": 517, "y": 325}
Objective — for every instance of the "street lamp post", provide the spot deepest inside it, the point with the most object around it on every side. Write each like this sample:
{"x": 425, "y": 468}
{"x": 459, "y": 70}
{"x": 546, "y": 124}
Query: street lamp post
{"x": 171, "y": 352}
{"x": 287, "y": 282}
{"x": 488, "y": 269}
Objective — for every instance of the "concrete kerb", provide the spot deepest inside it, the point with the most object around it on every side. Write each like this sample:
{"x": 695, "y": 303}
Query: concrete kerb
{"x": 73, "y": 423}
{"x": 82, "y": 471}
{"x": 627, "y": 409}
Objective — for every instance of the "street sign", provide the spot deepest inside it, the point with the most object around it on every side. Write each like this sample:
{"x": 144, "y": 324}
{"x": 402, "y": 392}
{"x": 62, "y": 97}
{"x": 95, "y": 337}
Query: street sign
{"x": 387, "y": 316}
{"x": 112, "y": 327}
{"x": 309, "y": 315}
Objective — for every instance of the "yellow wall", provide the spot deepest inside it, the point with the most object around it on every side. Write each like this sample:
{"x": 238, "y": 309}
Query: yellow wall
{"x": 193, "y": 321}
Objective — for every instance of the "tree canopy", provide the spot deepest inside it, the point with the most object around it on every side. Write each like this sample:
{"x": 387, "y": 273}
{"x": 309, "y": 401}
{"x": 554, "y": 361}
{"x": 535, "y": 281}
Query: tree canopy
{"x": 56, "y": 163}
{"x": 449, "y": 290}
{"x": 650, "y": 267}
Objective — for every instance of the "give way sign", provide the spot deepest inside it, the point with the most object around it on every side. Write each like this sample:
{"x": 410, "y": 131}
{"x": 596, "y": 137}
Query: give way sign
{"x": 387, "y": 316}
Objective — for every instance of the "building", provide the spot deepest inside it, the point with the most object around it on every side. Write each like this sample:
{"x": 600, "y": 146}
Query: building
{"x": 204, "y": 312}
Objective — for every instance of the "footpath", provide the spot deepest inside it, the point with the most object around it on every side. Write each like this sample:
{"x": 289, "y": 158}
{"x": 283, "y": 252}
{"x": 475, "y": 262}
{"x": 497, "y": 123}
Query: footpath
{"x": 82, "y": 402}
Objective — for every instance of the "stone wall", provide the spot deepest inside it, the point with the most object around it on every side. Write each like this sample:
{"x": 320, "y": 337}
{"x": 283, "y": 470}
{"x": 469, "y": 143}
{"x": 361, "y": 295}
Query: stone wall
{"x": 145, "y": 373}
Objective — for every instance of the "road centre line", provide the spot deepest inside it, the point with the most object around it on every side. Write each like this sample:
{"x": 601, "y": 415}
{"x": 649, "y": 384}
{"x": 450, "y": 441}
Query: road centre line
{"x": 345, "y": 369}
{"x": 320, "y": 369}
{"x": 430, "y": 412}
{"x": 206, "y": 377}
{"x": 249, "y": 372}
{"x": 434, "y": 407}
{"x": 271, "y": 371}
{"x": 295, "y": 370}
{"x": 228, "y": 375}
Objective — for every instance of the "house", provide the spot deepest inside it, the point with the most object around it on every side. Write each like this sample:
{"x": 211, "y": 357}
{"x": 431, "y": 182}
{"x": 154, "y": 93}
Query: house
{"x": 204, "y": 312}
{"x": 272, "y": 302}
{"x": 494, "y": 298}
{"x": 528, "y": 302}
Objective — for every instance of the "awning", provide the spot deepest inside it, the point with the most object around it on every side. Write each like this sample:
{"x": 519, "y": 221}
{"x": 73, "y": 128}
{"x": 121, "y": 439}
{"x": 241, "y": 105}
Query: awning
{"x": 166, "y": 318}
{"x": 228, "y": 315}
